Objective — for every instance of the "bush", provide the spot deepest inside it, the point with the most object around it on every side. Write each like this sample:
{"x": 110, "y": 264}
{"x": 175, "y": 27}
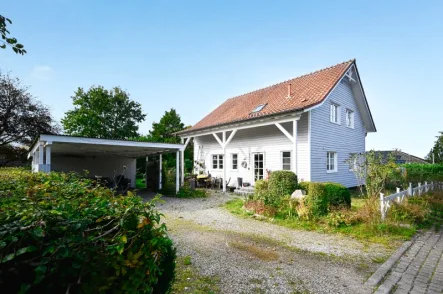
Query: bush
{"x": 261, "y": 190}
{"x": 186, "y": 192}
{"x": 337, "y": 195}
{"x": 316, "y": 201}
{"x": 423, "y": 172}
{"x": 60, "y": 233}
{"x": 280, "y": 184}
{"x": 304, "y": 186}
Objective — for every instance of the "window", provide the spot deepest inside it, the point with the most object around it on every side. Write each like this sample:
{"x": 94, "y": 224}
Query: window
{"x": 234, "y": 158}
{"x": 258, "y": 166}
{"x": 335, "y": 114}
{"x": 258, "y": 108}
{"x": 286, "y": 160}
{"x": 217, "y": 161}
{"x": 331, "y": 162}
{"x": 349, "y": 118}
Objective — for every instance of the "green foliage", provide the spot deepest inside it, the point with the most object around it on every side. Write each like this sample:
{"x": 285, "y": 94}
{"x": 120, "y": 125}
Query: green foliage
{"x": 186, "y": 192}
{"x": 100, "y": 113}
{"x": 337, "y": 195}
{"x": 261, "y": 190}
{"x": 6, "y": 40}
{"x": 164, "y": 131}
{"x": 280, "y": 185}
{"x": 316, "y": 201}
{"x": 436, "y": 153}
{"x": 304, "y": 186}
{"x": 60, "y": 233}
{"x": 423, "y": 172}
{"x": 22, "y": 118}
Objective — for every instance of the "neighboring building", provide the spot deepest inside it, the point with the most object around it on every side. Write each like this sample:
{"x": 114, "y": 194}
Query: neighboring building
{"x": 401, "y": 157}
{"x": 310, "y": 125}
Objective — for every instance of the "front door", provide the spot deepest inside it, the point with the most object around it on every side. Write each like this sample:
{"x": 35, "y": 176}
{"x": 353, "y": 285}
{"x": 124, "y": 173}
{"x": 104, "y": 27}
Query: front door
{"x": 258, "y": 166}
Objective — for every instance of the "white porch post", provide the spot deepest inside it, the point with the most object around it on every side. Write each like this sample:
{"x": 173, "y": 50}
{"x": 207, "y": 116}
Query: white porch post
{"x": 177, "y": 168}
{"x": 294, "y": 147}
{"x": 160, "y": 169}
{"x": 48, "y": 157}
{"x": 224, "y": 161}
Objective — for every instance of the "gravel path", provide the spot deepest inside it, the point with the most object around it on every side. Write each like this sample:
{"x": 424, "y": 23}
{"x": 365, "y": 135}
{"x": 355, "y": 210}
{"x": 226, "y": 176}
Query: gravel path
{"x": 251, "y": 256}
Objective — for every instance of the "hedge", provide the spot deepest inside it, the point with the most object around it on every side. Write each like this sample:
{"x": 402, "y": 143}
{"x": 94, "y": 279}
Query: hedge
{"x": 337, "y": 194}
{"x": 60, "y": 233}
{"x": 316, "y": 200}
{"x": 423, "y": 172}
{"x": 280, "y": 185}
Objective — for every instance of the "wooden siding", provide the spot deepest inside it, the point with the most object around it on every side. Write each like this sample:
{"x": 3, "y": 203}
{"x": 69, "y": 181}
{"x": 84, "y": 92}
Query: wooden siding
{"x": 268, "y": 139}
{"x": 327, "y": 136}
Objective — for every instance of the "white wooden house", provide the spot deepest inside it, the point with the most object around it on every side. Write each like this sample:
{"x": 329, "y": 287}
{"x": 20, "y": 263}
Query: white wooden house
{"x": 310, "y": 125}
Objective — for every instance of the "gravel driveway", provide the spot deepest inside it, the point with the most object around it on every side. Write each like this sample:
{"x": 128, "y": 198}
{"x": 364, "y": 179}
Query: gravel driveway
{"x": 252, "y": 256}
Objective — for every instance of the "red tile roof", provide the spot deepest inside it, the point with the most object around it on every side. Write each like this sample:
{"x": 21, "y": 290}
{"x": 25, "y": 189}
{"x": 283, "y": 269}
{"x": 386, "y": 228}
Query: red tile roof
{"x": 306, "y": 91}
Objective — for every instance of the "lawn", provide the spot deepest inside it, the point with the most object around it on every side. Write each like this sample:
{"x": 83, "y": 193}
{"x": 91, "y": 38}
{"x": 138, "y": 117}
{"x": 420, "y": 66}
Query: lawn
{"x": 380, "y": 233}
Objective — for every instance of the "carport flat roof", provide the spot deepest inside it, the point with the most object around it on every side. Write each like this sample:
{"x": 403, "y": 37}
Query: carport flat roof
{"x": 67, "y": 145}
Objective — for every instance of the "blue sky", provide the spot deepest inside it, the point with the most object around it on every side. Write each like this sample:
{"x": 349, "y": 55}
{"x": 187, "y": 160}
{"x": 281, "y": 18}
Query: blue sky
{"x": 193, "y": 55}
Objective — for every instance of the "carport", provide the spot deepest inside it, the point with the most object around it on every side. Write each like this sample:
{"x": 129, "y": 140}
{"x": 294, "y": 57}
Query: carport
{"x": 100, "y": 157}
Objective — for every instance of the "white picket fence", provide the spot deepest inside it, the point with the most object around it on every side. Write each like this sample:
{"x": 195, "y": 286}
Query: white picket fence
{"x": 386, "y": 202}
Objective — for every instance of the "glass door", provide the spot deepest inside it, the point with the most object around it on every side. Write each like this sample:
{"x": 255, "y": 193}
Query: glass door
{"x": 258, "y": 166}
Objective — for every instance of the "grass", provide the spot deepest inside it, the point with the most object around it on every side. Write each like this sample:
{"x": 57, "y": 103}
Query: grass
{"x": 189, "y": 280}
{"x": 140, "y": 183}
{"x": 384, "y": 234}
{"x": 262, "y": 254}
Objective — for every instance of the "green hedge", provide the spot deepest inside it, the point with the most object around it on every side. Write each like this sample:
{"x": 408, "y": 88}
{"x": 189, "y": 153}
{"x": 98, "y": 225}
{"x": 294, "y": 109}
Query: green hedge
{"x": 423, "y": 172}
{"x": 60, "y": 232}
{"x": 321, "y": 196}
{"x": 280, "y": 185}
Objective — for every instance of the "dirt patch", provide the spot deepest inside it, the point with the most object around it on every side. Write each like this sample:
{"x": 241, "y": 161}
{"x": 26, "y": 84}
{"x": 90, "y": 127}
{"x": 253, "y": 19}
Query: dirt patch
{"x": 255, "y": 251}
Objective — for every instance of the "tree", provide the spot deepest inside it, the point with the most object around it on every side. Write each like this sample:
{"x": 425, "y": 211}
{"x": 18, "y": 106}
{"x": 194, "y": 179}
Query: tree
{"x": 164, "y": 130}
{"x": 6, "y": 41}
{"x": 100, "y": 113}
{"x": 436, "y": 153}
{"x": 22, "y": 118}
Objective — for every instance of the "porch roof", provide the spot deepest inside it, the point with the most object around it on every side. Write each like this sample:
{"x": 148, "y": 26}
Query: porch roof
{"x": 67, "y": 145}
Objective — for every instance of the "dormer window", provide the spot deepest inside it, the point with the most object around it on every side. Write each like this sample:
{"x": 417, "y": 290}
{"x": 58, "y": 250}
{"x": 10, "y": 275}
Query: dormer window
{"x": 259, "y": 108}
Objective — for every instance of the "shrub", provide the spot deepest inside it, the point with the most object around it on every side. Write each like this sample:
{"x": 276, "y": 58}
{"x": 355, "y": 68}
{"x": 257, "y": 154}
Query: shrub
{"x": 281, "y": 183}
{"x": 261, "y": 190}
{"x": 304, "y": 186}
{"x": 337, "y": 195}
{"x": 316, "y": 200}
{"x": 186, "y": 192}
{"x": 60, "y": 233}
{"x": 423, "y": 172}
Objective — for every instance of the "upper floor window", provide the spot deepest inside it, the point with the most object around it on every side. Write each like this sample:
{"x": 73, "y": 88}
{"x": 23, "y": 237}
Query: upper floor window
{"x": 217, "y": 161}
{"x": 234, "y": 161}
{"x": 349, "y": 118}
{"x": 286, "y": 160}
{"x": 331, "y": 162}
{"x": 335, "y": 114}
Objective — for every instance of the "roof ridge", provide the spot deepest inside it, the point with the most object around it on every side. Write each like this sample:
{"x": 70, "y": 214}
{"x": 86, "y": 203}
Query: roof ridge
{"x": 298, "y": 77}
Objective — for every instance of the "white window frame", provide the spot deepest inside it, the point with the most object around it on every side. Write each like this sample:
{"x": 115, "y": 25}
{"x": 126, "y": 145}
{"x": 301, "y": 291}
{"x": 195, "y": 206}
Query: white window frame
{"x": 290, "y": 160}
{"x": 328, "y": 158}
{"x": 219, "y": 159}
{"x": 351, "y": 118}
{"x": 334, "y": 113}
{"x": 232, "y": 161}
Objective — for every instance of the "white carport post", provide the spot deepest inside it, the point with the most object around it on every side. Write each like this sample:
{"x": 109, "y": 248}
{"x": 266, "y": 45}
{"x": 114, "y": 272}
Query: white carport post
{"x": 48, "y": 156}
{"x": 41, "y": 147}
{"x": 177, "y": 173}
{"x": 160, "y": 169}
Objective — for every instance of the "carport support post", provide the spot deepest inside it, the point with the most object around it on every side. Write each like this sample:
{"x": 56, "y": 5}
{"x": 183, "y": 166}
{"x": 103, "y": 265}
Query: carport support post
{"x": 160, "y": 169}
{"x": 177, "y": 173}
{"x": 40, "y": 156}
{"x": 48, "y": 156}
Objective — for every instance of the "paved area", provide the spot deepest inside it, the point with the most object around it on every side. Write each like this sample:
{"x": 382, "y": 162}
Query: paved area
{"x": 420, "y": 269}
{"x": 251, "y": 256}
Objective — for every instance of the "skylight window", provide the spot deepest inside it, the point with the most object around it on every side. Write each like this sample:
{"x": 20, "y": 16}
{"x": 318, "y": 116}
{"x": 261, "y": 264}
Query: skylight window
{"x": 258, "y": 108}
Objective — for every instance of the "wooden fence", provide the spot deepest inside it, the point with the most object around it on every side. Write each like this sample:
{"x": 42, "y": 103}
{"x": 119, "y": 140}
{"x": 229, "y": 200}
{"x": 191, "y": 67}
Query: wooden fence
{"x": 386, "y": 202}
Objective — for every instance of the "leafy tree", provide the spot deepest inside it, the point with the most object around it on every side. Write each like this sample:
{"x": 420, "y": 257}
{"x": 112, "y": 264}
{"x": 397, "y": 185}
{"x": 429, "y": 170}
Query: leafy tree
{"x": 164, "y": 130}
{"x": 6, "y": 41}
{"x": 436, "y": 153}
{"x": 100, "y": 113}
{"x": 21, "y": 116}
